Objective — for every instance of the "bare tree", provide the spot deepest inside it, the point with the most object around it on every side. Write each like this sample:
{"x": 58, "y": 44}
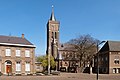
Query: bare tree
{"x": 85, "y": 46}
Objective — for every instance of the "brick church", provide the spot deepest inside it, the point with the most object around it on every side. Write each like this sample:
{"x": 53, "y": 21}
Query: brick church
{"x": 54, "y": 47}
{"x": 53, "y": 35}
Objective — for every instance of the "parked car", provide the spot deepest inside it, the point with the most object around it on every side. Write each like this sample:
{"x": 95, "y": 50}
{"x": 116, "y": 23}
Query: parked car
{"x": 63, "y": 69}
{"x": 55, "y": 73}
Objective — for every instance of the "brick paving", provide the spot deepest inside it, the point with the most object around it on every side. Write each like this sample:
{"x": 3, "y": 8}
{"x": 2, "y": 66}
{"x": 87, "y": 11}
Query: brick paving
{"x": 65, "y": 76}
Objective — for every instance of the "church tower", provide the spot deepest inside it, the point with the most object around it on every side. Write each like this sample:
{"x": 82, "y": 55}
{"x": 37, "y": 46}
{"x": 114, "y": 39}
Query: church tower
{"x": 53, "y": 35}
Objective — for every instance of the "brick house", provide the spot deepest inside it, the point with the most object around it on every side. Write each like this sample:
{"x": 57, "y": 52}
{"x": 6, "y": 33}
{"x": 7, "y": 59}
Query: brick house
{"x": 109, "y": 58}
{"x": 17, "y": 55}
{"x": 68, "y": 58}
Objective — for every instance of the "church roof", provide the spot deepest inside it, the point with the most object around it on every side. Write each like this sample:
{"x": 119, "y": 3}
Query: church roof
{"x": 114, "y": 45}
{"x": 67, "y": 47}
{"x": 111, "y": 46}
{"x": 52, "y": 15}
{"x": 15, "y": 41}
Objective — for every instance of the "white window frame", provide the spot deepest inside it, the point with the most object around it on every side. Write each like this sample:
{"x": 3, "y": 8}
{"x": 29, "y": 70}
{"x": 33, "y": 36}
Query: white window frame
{"x": 117, "y": 61}
{"x": 27, "y": 67}
{"x": 18, "y": 53}
{"x": 8, "y": 52}
{"x": 18, "y": 66}
{"x": 27, "y": 53}
{"x": 117, "y": 70}
{"x": 114, "y": 70}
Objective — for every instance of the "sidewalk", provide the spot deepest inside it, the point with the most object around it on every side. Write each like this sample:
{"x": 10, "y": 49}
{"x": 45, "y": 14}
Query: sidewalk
{"x": 65, "y": 76}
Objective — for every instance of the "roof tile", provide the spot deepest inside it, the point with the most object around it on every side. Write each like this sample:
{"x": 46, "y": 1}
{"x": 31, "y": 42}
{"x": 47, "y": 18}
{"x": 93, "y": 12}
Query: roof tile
{"x": 14, "y": 40}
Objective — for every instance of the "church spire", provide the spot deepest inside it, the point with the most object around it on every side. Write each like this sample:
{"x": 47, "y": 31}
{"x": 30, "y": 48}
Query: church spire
{"x": 52, "y": 14}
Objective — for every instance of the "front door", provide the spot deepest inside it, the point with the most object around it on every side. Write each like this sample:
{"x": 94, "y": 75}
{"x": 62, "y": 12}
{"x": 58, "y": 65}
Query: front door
{"x": 8, "y": 68}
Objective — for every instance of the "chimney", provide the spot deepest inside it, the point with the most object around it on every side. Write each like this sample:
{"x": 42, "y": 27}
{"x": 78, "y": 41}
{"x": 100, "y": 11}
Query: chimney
{"x": 22, "y": 35}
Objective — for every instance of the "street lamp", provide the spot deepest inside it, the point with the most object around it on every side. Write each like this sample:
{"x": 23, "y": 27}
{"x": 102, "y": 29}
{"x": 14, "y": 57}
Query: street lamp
{"x": 98, "y": 57}
{"x": 60, "y": 60}
{"x": 49, "y": 61}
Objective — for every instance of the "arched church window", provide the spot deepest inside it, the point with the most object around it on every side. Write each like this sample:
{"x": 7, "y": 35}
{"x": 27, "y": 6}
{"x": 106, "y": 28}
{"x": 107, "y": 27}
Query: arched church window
{"x": 52, "y": 34}
{"x": 55, "y": 35}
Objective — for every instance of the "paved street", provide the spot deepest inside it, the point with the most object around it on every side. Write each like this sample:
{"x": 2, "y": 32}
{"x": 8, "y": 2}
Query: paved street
{"x": 65, "y": 76}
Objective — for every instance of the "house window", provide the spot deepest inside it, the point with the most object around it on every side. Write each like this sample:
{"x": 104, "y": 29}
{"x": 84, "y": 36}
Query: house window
{"x": 18, "y": 66}
{"x": 116, "y": 61}
{"x": 27, "y": 53}
{"x": 27, "y": 67}
{"x": 8, "y": 52}
{"x": 117, "y": 70}
{"x": 106, "y": 58}
{"x": 114, "y": 70}
{"x": 18, "y": 53}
